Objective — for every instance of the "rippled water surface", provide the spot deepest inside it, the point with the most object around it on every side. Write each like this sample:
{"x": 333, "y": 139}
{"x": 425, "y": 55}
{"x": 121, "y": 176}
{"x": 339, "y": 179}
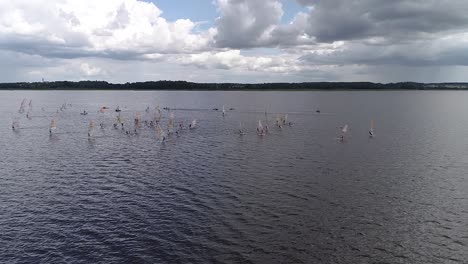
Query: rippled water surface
{"x": 296, "y": 195}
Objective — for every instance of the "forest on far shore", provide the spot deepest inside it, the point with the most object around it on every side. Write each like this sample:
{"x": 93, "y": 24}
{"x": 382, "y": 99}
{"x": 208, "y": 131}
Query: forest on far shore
{"x": 183, "y": 85}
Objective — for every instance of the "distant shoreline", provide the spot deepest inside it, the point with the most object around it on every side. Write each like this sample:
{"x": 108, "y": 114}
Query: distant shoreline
{"x": 190, "y": 86}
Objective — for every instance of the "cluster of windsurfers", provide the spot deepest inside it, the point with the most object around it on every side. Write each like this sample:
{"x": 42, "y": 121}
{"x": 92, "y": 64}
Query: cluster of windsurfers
{"x": 171, "y": 128}
{"x": 262, "y": 130}
{"x": 154, "y": 123}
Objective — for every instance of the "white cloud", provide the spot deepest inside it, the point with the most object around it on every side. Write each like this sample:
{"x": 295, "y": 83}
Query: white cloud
{"x": 69, "y": 28}
{"x": 127, "y": 40}
{"x": 234, "y": 60}
{"x": 89, "y": 70}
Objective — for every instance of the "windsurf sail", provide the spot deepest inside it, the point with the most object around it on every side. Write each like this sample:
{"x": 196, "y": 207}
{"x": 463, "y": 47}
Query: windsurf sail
{"x": 15, "y": 125}
{"x": 53, "y": 125}
{"x": 260, "y": 129}
{"x": 193, "y": 124}
{"x": 170, "y": 124}
{"x": 344, "y": 129}
{"x": 372, "y": 127}
{"x": 119, "y": 119}
{"x": 241, "y": 130}
{"x": 22, "y": 106}
{"x": 160, "y": 133}
{"x": 137, "y": 120}
{"x": 90, "y": 128}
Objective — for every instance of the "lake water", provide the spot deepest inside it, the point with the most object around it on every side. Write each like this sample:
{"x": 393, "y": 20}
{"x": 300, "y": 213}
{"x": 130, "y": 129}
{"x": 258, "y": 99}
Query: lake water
{"x": 209, "y": 195}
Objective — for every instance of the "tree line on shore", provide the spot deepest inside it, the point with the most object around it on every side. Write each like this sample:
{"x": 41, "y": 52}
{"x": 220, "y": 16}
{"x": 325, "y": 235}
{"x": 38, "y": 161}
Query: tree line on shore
{"x": 184, "y": 85}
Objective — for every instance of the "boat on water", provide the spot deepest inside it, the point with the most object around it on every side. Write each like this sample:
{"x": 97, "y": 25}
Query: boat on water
{"x": 224, "y": 111}
{"x": 160, "y": 134}
{"x": 52, "y": 127}
{"x": 371, "y": 130}
{"x": 84, "y": 113}
{"x": 170, "y": 123}
{"x": 15, "y": 125}
{"x": 22, "y": 106}
{"x": 193, "y": 125}
{"x": 241, "y": 130}
{"x": 260, "y": 130}
{"x": 344, "y": 130}
{"x": 137, "y": 120}
{"x": 91, "y": 128}
{"x": 118, "y": 109}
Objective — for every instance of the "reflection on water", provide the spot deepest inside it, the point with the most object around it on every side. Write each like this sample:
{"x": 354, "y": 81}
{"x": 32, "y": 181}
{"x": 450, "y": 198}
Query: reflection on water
{"x": 296, "y": 195}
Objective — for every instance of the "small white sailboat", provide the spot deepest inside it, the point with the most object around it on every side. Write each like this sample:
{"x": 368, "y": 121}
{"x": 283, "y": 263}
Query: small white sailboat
{"x": 15, "y": 125}
{"x": 241, "y": 130}
{"x": 157, "y": 115}
{"x": 344, "y": 130}
{"x": 170, "y": 124}
{"x": 224, "y": 111}
{"x": 260, "y": 129}
{"x": 137, "y": 120}
{"x": 279, "y": 121}
{"x": 371, "y": 130}
{"x": 160, "y": 134}
{"x": 52, "y": 127}
{"x": 193, "y": 125}
{"x": 119, "y": 119}
{"x": 91, "y": 129}
{"x": 22, "y": 106}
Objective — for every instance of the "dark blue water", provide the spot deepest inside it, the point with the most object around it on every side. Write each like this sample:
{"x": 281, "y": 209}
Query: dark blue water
{"x": 296, "y": 195}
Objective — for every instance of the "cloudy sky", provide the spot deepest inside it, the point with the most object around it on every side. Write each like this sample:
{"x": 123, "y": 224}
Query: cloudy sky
{"x": 234, "y": 40}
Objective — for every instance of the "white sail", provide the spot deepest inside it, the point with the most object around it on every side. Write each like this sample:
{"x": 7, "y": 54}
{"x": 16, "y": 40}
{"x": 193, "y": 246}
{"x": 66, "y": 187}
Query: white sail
{"x": 224, "y": 111}
{"x": 241, "y": 130}
{"x": 15, "y": 125}
{"x": 371, "y": 130}
{"x": 193, "y": 124}
{"x": 137, "y": 120}
{"x": 345, "y": 129}
{"x": 90, "y": 128}
{"x": 170, "y": 124}
{"x": 23, "y": 104}
{"x": 119, "y": 119}
{"x": 160, "y": 133}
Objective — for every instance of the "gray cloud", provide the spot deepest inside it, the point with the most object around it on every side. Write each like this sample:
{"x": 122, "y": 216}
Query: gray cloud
{"x": 332, "y": 40}
{"x": 243, "y": 23}
{"x": 398, "y": 20}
